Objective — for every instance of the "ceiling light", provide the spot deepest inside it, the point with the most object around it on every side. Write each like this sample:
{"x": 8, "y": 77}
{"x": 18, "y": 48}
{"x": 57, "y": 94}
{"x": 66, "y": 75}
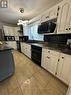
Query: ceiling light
{"x": 21, "y": 22}
{"x": 3, "y": 3}
{"x": 21, "y": 10}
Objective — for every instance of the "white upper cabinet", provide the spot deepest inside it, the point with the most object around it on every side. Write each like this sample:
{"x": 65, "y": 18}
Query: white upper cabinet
{"x": 11, "y": 31}
{"x": 6, "y": 32}
{"x": 16, "y": 29}
{"x": 53, "y": 12}
{"x": 49, "y": 14}
{"x": 64, "y": 17}
{"x": 45, "y": 17}
{"x": 69, "y": 27}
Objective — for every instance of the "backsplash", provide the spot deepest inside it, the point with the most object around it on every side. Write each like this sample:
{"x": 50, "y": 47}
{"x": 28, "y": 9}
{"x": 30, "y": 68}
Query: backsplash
{"x": 57, "y": 39}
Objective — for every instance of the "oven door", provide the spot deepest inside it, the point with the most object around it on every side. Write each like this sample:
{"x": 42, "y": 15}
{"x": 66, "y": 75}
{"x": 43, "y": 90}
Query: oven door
{"x": 36, "y": 55}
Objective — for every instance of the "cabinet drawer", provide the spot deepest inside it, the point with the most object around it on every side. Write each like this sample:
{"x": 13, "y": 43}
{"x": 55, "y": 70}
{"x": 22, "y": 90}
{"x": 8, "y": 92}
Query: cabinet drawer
{"x": 51, "y": 52}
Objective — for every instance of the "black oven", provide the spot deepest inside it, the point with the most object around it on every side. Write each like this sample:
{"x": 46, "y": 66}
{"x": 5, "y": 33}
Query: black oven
{"x": 36, "y": 53}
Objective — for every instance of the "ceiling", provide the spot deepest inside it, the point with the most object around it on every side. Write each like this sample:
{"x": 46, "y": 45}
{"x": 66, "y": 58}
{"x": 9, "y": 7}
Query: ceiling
{"x": 31, "y": 9}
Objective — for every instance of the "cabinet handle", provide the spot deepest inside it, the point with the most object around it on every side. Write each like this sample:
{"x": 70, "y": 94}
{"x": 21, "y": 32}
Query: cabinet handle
{"x": 62, "y": 57}
{"x": 48, "y": 57}
{"x": 66, "y": 28}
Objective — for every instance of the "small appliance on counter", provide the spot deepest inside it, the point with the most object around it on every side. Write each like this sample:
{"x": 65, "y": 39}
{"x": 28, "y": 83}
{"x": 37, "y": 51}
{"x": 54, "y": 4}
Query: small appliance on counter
{"x": 9, "y": 38}
{"x": 23, "y": 38}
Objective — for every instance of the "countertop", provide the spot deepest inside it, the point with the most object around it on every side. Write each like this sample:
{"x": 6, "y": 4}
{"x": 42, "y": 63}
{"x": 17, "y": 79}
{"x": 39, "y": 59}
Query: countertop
{"x": 59, "y": 48}
{"x": 4, "y": 47}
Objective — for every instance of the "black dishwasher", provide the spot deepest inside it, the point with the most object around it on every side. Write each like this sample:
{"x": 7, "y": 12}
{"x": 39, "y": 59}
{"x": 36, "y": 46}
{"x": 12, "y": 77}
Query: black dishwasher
{"x": 36, "y": 53}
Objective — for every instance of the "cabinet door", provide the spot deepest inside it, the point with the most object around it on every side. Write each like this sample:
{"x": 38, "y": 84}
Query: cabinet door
{"x": 59, "y": 66}
{"x": 53, "y": 12}
{"x": 45, "y": 59}
{"x": 53, "y": 61}
{"x": 64, "y": 68}
{"x": 8, "y": 43}
{"x": 28, "y": 50}
{"x": 63, "y": 22}
{"x": 13, "y": 44}
{"x": 16, "y": 29}
{"x": 11, "y": 32}
{"x": 49, "y": 60}
{"x": 69, "y": 19}
{"x": 53, "y": 64}
{"x": 6, "y": 32}
{"x": 45, "y": 17}
{"x": 23, "y": 48}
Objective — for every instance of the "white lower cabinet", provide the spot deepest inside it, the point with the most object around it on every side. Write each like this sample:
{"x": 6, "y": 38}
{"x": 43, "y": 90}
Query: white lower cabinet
{"x": 26, "y": 49}
{"x": 53, "y": 64}
{"x": 49, "y": 60}
{"x": 59, "y": 64}
{"x": 12, "y": 44}
{"x": 64, "y": 68}
{"x": 22, "y": 48}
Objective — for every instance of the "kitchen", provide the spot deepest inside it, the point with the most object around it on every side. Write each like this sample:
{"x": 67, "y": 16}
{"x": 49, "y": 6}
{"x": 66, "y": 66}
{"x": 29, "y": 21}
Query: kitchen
{"x": 36, "y": 48}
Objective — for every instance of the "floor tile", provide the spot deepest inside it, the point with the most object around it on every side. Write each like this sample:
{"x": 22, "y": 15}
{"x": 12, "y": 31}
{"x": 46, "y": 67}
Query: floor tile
{"x": 30, "y": 79}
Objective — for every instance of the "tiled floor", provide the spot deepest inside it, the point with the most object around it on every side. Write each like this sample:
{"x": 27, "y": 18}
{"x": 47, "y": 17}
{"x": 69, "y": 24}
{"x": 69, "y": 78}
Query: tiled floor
{"x": 30, "y": 79}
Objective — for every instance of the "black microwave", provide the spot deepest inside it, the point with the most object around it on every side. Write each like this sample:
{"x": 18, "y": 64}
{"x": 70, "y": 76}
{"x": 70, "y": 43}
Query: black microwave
{"x": 46, "y": 27}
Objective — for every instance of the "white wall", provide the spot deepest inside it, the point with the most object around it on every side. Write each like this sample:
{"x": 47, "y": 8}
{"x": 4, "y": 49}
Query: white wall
{"x": 31, "y": 31}
{"x": 3, "y": 23}
{"x": 16, "y": 28}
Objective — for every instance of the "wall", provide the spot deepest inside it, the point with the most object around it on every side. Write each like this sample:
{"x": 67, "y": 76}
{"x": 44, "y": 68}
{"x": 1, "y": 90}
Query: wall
{"x": 33, "y": 32}
{"x": 3, "y": 23}
{"x": 57, "y": 39}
